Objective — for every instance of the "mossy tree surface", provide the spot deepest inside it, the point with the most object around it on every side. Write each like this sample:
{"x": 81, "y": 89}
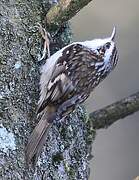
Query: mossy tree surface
{"x": 65, "y": 155}
{"x": 64, "y": 11}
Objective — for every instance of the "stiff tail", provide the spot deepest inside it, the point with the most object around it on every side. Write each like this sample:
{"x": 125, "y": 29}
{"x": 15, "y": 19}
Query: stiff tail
{"x": 37, "y": 139}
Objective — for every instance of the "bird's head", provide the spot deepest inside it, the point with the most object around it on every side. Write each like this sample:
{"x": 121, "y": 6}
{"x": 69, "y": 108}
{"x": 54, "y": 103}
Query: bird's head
{"x": 106, "y": 48}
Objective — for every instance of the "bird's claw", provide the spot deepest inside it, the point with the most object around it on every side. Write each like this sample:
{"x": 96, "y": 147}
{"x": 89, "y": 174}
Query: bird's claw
{"x": 45, "y": 36}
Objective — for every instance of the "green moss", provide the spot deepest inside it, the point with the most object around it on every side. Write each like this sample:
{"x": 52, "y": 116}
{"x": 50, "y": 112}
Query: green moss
{"x": 70, "y": 171}
{"x": 56, "y": 15}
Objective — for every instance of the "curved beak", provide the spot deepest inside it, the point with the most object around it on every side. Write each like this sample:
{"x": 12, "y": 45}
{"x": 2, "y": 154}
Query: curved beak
{"x": 113, "y": 34}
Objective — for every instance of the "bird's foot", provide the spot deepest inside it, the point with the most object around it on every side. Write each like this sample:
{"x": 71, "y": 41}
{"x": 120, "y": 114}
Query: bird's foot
{"x": 46, "y": 36}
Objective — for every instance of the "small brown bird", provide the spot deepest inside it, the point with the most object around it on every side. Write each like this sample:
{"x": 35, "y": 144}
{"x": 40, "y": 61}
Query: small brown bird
{"x": 67, "y": 79}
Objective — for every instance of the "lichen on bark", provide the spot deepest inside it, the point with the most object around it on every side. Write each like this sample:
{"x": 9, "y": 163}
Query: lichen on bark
{"x": 65, "y": 155}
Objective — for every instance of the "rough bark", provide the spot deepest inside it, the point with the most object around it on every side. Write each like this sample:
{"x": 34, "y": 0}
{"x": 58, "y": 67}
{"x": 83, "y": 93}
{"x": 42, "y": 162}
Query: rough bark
{"x": 67, "y": 149}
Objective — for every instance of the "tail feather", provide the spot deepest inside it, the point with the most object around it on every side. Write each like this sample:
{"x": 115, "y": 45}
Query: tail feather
{"x": 37, "y": 139}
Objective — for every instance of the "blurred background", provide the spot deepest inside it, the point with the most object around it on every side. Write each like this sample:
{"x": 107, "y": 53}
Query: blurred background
{"x": 116, "y": 149}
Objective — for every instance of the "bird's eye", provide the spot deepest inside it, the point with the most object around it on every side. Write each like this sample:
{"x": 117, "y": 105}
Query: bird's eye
{"x": 108, "y": 45}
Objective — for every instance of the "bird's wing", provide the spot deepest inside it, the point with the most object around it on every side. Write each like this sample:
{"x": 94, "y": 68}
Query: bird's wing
{"x": 59, "y": 74}
{"x": 54, "y": 82}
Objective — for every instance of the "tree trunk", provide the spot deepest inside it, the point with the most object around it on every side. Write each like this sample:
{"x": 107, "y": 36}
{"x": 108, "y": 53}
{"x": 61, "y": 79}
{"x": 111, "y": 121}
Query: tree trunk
{"x": 65, "y": 155}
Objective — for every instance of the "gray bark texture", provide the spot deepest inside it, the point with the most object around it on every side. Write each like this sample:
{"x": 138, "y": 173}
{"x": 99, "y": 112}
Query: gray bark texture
{"x": 68, "y": 145}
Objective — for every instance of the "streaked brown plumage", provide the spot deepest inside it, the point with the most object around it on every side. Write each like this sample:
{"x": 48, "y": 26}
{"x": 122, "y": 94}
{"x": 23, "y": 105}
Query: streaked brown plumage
{"x": 68, "y": 77}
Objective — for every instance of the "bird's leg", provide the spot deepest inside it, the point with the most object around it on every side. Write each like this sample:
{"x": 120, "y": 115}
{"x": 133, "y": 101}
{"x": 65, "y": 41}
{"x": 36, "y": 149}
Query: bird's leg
{"x": 64, "y": 109}
{"x": 45, "y": 36}
{"x": 68, "y": 106}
